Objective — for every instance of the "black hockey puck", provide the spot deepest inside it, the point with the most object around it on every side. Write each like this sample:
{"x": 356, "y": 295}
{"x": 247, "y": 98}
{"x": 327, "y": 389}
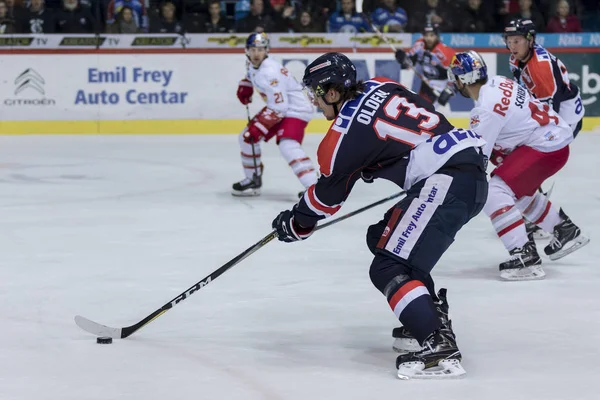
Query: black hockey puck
{"x": 104, "y": 340}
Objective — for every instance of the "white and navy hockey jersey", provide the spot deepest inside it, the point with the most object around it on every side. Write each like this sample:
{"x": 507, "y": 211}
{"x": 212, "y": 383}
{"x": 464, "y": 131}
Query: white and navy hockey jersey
{"x": 547, "y": 79}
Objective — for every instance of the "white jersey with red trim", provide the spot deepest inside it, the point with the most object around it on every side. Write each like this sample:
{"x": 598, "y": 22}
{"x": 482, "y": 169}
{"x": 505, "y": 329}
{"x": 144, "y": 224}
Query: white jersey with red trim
{"x": 506, "y": 116}
{"x": 280, "y": 90}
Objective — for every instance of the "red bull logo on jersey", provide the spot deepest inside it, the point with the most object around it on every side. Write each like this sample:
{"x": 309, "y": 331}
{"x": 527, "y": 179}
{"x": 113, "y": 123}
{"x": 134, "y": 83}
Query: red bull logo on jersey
{"x": 474, "y": 121}
{"x": 507, "y": 88}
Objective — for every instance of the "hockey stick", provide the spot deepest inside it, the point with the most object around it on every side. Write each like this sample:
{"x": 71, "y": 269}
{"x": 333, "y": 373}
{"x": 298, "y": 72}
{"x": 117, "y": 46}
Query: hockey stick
{"x": 121, "y": 333}
{"x": 426, "y": 81}
{"x": 252, "y": 144}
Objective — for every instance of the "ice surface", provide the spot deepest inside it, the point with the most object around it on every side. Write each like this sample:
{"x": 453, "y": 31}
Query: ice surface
{"x": 112, "y": 227}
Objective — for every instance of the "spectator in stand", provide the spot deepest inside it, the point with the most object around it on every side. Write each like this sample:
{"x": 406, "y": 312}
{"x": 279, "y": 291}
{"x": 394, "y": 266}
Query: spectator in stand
{"x": 73, "y": 18}
{"x": 36, "y": 19}
{"x": 305, "y": 24}
{"x": 473, "y": 19}
{"x": 195, "y": 6}
{"x": 140, "y": 15}
{"x": 590, "y": 16}
{"x": 12, "y": 9}
{"x": 347, "y": 20}
{"x": 528, "y": 11}
{"x": 320, "y": 11}
{"x": 215, "y": 23}
{"x": 167, "y": 22}
{"x": 562, "y": 22}
{"x": 389, "y": 17}
{"x": 283, "y": 15}
{"x": 124, "y": 22}
{"x": 242, "y": 9}
{"x": 7, "y": 24}
{"x": 257, "y": 20}
{"x": 432, "y": 12}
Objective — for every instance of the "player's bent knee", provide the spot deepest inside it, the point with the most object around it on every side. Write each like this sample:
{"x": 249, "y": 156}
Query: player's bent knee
{"x": 385, "y": 269}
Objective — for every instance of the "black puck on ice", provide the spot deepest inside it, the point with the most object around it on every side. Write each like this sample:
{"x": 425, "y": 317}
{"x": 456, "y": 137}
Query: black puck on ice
{"x": 104, "y": 340}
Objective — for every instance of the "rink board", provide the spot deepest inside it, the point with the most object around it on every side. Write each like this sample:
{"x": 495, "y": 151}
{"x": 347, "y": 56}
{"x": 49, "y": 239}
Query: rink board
{"x": 190, "y": 92}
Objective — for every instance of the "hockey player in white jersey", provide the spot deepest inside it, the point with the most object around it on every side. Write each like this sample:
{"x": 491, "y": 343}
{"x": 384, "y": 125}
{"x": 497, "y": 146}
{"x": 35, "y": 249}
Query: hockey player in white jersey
{"x": 528, "y": 142}
{"x": 284, "y": 117}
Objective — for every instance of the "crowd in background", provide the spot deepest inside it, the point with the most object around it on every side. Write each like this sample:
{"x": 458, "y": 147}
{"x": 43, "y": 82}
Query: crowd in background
{"x": 301, "y": 16}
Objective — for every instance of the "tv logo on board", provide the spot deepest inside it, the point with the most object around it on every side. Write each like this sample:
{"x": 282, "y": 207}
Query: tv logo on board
{"x": 27, "y": 84}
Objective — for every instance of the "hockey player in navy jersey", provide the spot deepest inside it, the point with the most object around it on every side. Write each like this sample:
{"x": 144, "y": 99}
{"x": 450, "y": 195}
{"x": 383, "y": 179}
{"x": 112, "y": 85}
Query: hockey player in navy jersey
{"x": 431, "y": 57}
{"x": 383, "y": 130}
{"x": 542, "y": 74}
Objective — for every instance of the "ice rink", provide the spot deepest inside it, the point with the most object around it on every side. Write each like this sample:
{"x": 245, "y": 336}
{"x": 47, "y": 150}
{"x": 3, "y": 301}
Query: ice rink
{"x": 112, "y": 227}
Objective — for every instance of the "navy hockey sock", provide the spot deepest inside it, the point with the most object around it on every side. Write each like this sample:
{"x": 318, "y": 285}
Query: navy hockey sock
{"x": 415, "y": 309}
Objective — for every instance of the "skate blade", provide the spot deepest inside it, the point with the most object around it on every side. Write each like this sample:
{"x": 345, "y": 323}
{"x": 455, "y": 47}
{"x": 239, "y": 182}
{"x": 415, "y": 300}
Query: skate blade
{"x": 578, "y": 243}
{"x": 246, "y": 193}
{"x": 405, "y": 345}
{"x": 532, "y": 273}
{"x": 446, "y": 369}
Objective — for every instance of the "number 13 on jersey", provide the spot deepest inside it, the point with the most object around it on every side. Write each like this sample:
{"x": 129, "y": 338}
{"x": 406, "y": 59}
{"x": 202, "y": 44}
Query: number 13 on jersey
{"x": 411, "y": 124}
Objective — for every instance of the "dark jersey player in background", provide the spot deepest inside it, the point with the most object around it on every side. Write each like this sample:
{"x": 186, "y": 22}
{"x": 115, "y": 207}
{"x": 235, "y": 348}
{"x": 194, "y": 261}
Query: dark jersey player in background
{"x": 383, "y": 130}
{"x": 431, "y": 57}
{"x": 542, "y": 74}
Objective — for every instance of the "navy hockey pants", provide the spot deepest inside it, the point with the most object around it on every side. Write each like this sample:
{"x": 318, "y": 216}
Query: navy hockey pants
{"x": 413, "y": 235}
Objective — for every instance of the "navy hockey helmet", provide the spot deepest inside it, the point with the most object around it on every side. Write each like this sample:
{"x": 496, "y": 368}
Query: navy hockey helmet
{"x": 257, "y": 40}
{"x": 520, "y": 27}
{"x": 434, "y": 28}
{"x": 467, "y": 67}
{"x": 330, "y": 69}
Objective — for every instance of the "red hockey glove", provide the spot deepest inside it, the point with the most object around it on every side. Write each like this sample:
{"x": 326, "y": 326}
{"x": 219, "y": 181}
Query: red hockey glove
{"x": 259, "y": 126}
{"x": 245, "y": 91}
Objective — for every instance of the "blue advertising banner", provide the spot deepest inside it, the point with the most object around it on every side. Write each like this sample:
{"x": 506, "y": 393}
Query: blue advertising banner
{"x": 494, "y": 40}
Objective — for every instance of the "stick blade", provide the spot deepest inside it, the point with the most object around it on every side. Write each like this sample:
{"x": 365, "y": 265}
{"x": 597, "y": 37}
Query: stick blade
{"x": 97, "y": 329}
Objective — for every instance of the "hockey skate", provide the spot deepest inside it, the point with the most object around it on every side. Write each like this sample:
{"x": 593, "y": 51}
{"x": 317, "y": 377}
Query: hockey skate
{"x": 439, "y": 359}
{"x": 567, "y": 238}
{"x": 405, "y": 341}
{"x": 247, "y": 187}
{"x": 524, "y": 264}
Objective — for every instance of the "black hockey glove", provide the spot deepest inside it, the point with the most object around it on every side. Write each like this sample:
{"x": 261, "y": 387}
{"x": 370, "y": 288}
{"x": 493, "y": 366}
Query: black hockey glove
{"x": 445, "y": 96}
{"x": 402, "y": 59}
{"x": 288, "y": 230}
